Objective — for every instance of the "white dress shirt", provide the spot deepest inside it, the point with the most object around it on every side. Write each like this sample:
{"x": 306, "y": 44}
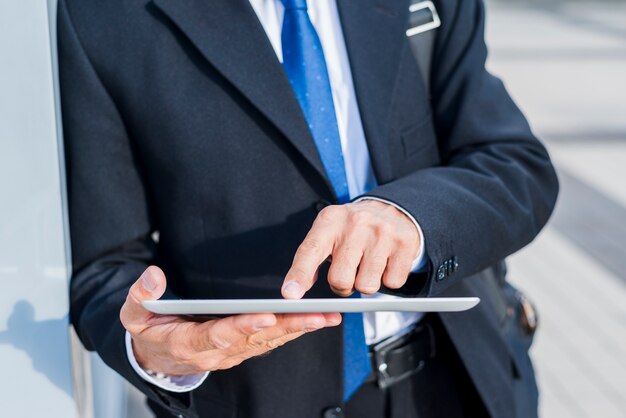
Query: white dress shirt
{"x": 360, "y": 176}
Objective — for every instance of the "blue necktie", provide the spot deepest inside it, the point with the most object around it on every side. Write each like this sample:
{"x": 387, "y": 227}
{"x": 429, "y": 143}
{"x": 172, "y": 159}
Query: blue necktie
{"x": 304, "y": 63}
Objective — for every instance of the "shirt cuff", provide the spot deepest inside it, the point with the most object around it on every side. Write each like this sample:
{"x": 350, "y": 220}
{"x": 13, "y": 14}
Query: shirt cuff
{"x": 421, "y": 261}
{"x": 178, "y": 384}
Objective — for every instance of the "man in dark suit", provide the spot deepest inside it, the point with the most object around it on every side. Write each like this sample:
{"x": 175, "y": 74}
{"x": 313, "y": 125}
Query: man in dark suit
{"x": 209, "y": 123}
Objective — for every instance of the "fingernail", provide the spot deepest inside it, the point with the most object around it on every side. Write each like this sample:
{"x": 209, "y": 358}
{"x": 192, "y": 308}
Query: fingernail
{"x": 292, "y": 290}
{"x": 260, "y": 326}
{"x": 264, "y": 323}
{"x": 148, "y": 282}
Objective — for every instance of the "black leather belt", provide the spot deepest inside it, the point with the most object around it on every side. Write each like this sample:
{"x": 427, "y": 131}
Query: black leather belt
{"x": 396, "y": 358}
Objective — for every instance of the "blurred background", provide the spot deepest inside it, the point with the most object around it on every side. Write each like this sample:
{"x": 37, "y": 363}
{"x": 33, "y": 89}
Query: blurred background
{"x": 564, "y": 62}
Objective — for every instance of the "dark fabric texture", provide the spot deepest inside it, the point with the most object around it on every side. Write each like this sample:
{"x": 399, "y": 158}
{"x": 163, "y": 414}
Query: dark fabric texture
{"x": 178, "y": 118}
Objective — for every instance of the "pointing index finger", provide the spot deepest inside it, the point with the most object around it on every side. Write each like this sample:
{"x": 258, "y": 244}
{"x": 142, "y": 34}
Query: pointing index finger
{"x": 315, "y": 248}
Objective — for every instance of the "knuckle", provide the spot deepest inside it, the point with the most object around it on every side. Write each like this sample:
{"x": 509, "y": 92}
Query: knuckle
{"x": 216, "y": 341}
{"x": 402, "y": 262}
{"x": 292, "y": 326}
{"x": 385, "y": 229}
{"x": 350, "y": 253}
{"x": 339, "y": 282}
{"x": 242, "y": 326}
{"x": 343, "y": 292}
{"x": 361, "y": 218}
{"x": 377, "y": 263}
{"x": 297, "y": 273}
{"x": 131, "y": 298}
{"x": 394, "y": 281}
{"x": 367, "y": 288}
{"x": 330, "y": 213}
{"x": 344, "y": 259}
{"x": 402, "y": 241}
{"x": 253, "y": 343}
{"x": 310, "y": 246}
{"x": 393, "y": 284}
{"x": 406, "y": 239}
{"x": 132, "y": 327}
{"x": 124, "y": 319}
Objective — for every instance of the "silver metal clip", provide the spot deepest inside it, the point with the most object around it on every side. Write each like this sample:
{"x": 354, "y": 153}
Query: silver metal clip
{"x": 430, "y": 15}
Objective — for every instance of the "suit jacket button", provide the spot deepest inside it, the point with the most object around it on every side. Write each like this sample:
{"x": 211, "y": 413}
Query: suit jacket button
{"x": 334, "y": 412}
{"x": 450, "y": 268}
{"x": 441, "y": 273}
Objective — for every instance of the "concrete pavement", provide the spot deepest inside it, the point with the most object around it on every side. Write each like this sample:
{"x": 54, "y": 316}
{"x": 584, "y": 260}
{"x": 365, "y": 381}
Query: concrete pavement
{"x": 565, "y": 64}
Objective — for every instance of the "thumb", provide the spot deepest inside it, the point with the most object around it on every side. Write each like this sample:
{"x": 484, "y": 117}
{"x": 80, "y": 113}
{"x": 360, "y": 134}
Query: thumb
{"x": 150, "y": 286}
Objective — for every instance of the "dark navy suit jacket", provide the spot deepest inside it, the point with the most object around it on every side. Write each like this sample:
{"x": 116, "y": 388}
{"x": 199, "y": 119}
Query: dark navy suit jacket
{"x": 178, "y": 118}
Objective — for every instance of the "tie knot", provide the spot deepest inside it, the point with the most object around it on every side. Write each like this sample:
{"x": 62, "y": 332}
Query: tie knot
{"x": 294, "y": 4}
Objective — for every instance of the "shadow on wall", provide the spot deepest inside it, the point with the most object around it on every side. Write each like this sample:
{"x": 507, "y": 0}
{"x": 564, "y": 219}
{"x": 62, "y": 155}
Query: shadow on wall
{"x": 41, "y": 341}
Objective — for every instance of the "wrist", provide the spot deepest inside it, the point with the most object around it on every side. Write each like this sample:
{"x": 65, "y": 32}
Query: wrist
{"x": 137, "y": 352}
{"x": 171, "y": 383}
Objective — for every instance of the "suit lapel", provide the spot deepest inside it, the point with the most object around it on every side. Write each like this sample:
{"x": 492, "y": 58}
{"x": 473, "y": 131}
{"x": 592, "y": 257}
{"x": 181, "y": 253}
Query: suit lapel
{"x": 229, "y": 35}
{"x": 374, "y": 32}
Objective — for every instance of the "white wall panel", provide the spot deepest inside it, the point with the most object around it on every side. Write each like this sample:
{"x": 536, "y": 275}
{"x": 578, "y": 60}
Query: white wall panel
{"x": 34, "y": 342}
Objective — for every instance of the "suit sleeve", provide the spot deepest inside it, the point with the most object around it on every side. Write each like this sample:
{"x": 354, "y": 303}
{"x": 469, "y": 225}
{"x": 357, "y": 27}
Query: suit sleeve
{"x": 496, "y": 187}
{"x": 110, "y": 218}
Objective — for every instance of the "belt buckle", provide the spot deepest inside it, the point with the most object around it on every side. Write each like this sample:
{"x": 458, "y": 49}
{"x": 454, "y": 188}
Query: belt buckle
{"x": 381, "y": 350}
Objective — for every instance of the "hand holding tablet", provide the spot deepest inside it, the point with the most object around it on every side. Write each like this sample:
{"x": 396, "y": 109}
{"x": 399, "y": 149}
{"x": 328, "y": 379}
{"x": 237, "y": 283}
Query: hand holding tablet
{"x": 182, "y": 337}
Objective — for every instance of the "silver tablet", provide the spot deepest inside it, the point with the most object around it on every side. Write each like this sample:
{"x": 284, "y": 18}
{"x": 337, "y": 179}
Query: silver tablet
{"x": 240, "y": 306}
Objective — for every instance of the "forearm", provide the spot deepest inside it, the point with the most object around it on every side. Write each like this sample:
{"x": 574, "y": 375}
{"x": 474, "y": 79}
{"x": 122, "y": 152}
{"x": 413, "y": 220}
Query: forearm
{"x": 491, "y": 186}
{"x": 479, "y": 208}
{"x": 98, "y": 292}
